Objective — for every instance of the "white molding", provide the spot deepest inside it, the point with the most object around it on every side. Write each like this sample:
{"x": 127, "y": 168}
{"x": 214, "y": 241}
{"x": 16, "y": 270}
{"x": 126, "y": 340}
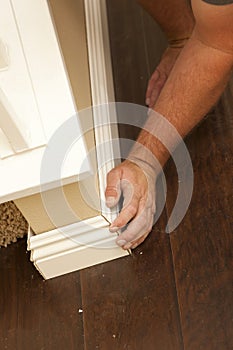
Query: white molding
{"x": 11, "y": 125}
{"x": 4, "y": 56}
{"x": 74, "y": 247}
{"x": 102, "y": 93}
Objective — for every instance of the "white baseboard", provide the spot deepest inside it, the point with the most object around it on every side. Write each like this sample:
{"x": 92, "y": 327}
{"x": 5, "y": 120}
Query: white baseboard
{"x": 73, "y": 247}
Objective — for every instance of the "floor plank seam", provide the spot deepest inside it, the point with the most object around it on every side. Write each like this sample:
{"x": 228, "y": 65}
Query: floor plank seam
{"x": 176, "y": 291}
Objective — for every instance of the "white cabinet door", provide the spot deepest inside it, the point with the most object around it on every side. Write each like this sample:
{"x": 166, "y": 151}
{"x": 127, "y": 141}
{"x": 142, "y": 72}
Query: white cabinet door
{"x": 35, "y": 99}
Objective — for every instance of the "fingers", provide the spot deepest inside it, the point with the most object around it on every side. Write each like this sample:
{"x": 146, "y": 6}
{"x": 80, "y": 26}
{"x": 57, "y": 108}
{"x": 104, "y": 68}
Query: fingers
{"x": 137, "y": 242}
{"x": 113, "y": 190}
{"x": 138, "y": 229}
{"x": 158, "y": 86}
{"x": 151, "y": 84}
{"x": 138, "y": 207}
{"x": 155, "y": 86}
{"x": 127, "y": 213}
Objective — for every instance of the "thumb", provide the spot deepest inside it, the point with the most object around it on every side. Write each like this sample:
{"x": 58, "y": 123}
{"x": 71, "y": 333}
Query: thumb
{"x": 113, "y": 190}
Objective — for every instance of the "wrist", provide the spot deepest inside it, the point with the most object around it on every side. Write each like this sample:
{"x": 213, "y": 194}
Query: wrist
{"x": 155, "y": 144}
{"x": 146, "y": 166}
{"x": 144, "y": 156}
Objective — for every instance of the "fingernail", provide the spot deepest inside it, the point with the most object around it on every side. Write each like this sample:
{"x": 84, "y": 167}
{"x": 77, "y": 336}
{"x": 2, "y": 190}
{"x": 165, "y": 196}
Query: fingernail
{"x": 147, "y": 101}
{"x": 121, "y": 242}
{"x": 113, "y": 229}
{"x": 110, "y": 201}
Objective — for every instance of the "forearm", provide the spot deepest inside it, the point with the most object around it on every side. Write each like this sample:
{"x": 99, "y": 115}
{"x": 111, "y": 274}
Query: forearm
{"x": 175, "y": 17}
{"x": 195, "y": 84}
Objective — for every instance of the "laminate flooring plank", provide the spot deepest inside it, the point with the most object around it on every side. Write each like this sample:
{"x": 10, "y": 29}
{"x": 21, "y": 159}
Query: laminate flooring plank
{"x": 129, "y": 58}
{"x": 131, "y": 303}
{"x": 202, "y": 245}
{"x": 37, "y": 314}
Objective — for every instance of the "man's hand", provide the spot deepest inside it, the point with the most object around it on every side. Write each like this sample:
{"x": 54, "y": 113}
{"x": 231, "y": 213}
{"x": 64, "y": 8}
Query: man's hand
{"x": 161, "y": 74}
{"x": 137, "y": 185}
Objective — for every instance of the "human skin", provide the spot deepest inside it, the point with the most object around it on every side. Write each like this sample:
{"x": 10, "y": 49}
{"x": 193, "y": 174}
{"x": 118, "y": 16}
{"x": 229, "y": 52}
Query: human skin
{"x": 176, "y": 19}
{"x": 195, "y": 83}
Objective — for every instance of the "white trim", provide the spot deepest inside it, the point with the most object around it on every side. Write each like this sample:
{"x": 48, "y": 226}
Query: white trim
{"x": 56, "y": 235}
{"x": 102, "y": 93}
{"x": 75, "y": 247}
{"x": 11, "y": 125}
{"x": 4, "y": 57}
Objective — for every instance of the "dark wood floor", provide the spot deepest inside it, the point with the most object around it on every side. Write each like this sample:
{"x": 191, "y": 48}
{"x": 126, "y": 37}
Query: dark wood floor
{"x": 176, "y": 291}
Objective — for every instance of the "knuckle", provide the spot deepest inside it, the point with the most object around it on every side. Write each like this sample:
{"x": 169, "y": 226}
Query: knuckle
{"x": 131, "y": 209}
{"x": 111, "y": 173}
{"x": 130, "y": 237}
{"x": 111, "y": 191}
{"x": 125, "y": 184}
{"x": 162, "y": 75}
{"x": 143, "y": 214}
{"x": 110, "y": 188}
{"x": 142, "y": 219}
{"x": 121, "y": 221}
{"x": 149, "y": 205}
